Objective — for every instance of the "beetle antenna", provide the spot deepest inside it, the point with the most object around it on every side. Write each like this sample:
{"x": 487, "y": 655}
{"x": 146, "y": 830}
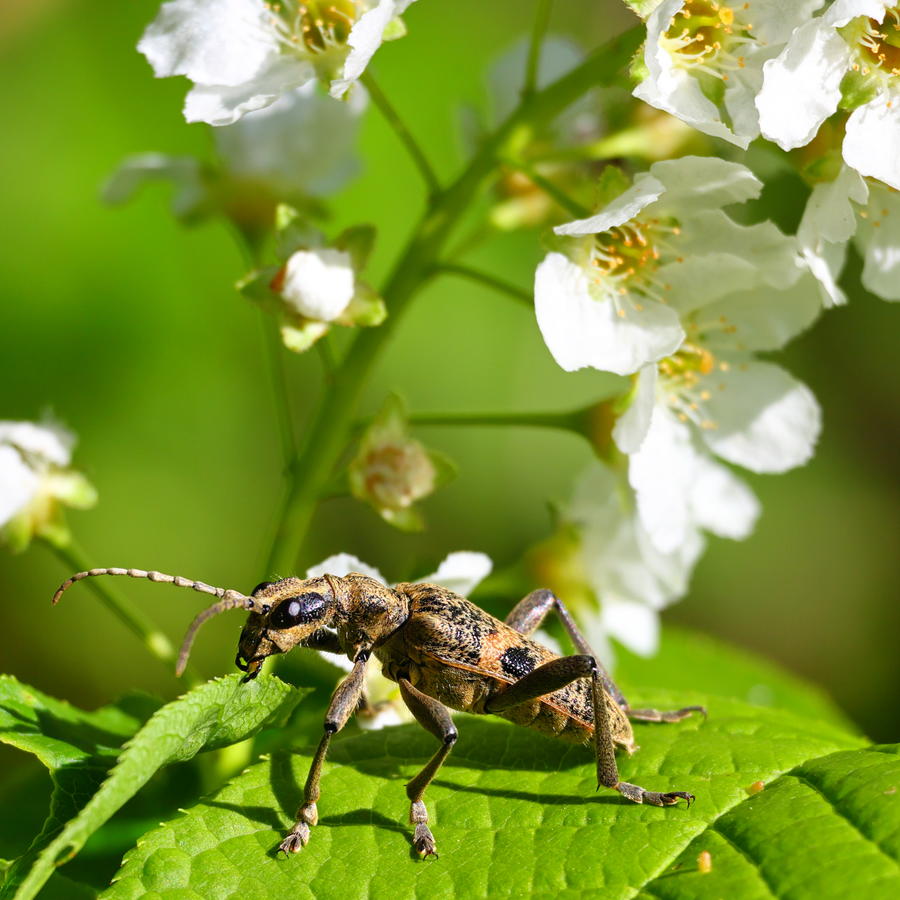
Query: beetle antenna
{"x": 228, "y": 599}
{"x": 233, "y": 602}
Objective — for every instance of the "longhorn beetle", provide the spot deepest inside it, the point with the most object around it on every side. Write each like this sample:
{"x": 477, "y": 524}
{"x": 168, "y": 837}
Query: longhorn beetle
{"x": 443, "y": 651}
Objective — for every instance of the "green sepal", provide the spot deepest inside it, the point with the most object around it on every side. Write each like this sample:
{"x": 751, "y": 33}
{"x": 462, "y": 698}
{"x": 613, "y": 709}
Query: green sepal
{"x": 642, "y": 8}
{"x": 408, "y": 519}
{"x": 857, "y": 89}
{"x": 395, "y": 30}
{"x": 293, "y": 231}
{"x": 256, "y": 285}
{"x": 445, "y": 469}
{"x": 300, "y": 334}
{"x": 367, "y": 308}
{"x": 825, "y": 167}
{"x": 358, "y": 241}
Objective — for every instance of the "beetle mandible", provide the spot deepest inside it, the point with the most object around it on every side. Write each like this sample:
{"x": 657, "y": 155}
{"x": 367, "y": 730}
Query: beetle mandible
{"x": 443, "y": 651}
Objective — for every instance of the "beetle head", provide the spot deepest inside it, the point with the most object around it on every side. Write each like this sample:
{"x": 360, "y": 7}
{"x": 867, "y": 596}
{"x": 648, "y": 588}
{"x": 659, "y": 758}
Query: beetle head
{"x": 286, "y": 613}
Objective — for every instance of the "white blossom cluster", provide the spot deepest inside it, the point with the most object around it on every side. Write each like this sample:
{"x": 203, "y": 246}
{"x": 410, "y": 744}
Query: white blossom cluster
{"x": 738, "y": 69}
{"x": 664, "y": 286}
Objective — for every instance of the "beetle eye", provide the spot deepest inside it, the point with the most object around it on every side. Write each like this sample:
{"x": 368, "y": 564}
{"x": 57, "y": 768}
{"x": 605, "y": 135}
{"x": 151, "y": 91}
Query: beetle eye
{"x": 261, "y": 587}
{"x": 297, "y": 611}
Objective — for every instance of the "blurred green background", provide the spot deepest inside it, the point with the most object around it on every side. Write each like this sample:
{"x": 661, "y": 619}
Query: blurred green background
{"x": 127, "y": 328}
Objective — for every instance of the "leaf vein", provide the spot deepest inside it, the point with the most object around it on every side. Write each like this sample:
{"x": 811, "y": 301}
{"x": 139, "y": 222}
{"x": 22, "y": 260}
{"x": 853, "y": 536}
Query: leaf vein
{"x": 834, "y": 806}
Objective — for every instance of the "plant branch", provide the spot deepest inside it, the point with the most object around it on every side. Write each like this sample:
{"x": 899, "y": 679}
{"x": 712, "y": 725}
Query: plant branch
{"x": 498, "y": 284}
{"x": 549, "y": 188}
{"x": 379, "y": 98}
{"x": 328, "y": 432}
{"x": 533, "y": 63}
{"x": 283, "y": 412}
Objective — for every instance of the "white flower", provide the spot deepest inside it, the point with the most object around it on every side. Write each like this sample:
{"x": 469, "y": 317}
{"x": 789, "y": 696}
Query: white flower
{"x": 848, "y": 54}
{"x": 300, "y": 145}
{"x": 750, "y": 413}
{"x": 704, "y": 59}
{"x": 850, "y": 207}
{"x": 615, "y": 300}
{"x": 35, "y": 481}
{"x": 459, "y": 572}
{"x": 680, "y": 489}
{"x": 319, "y": 283}
{"x": 628, "y": 575}
{"x": 242, "y": 55}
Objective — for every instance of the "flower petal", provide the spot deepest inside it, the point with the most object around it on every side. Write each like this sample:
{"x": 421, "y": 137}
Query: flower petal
{"x": 760, "y": 319}
{"x": 581, "y": 331}
{"x": 319, "y": 284}
{"x": 300, "y": 144}
{"x": 50, "y": 443}
{"x": 662, "y": 474}
{"x": 342, "y": 564}
{"x": 364, "y": 39}
{"x": 879, "y": 240}
{"x": 872, "y": 141}
{"x": 632, "y": 624}
{"x": 631, "y": 428}
{"x": 224, "y": 42}
{"x": 461, "y": 572}
{"x": 626, "y": 206}
{"x": 218, "y": 104}
{"x": 801, "y": 87}
{"x": 18, "y": 483}
{"x": 705, "y": 182}
{"x": 721, "y": 502}
{"x": 761, "y": 417}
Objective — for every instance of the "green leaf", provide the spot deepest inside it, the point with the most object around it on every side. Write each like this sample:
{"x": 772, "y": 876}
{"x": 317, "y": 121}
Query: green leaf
{"x": 77, "y": 747}
{"x": 687, "y": 661}
{"x": 516, "y": 814}
{"x": 215, "y": 714}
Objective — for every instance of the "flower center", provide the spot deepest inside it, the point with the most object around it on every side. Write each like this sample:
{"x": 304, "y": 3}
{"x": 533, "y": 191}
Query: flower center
{"x": 312, "y": 27}
{"x": 682, "y": 375}
{"x": 877, "y": 45}
{"x": 626, "y": 260}
{"x": 710, "y": 37}
{"x": 396, "y": 475}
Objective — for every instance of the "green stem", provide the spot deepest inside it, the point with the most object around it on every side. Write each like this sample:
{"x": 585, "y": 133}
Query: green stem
{"x": 566, "y": 421}
{"x": 329, "y": 430}
{"x": 498, "y": 284}
{"x": 122, "y": 608}
{"x": 532, "y": 65}
{"x": 283, "y": 413}
{"x": 379, "y": 98}
{"x": 549, "y": 188}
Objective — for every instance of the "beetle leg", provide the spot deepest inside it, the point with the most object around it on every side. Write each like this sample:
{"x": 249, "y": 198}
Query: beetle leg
{"x": 435, "y": 718}
{"x": 528, "y": 615}
{"x": 558, "y": 673}
{"x": 658, "y": 715}
{"x": 343, "y": 702}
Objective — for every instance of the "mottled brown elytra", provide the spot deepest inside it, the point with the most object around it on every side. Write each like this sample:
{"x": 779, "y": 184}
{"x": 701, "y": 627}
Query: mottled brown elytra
{"x": 443, "y": 651}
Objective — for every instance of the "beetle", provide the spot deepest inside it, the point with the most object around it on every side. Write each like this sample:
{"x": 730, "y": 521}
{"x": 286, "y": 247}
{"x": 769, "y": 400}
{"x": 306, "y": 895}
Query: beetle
{"x": 443, "y": 651}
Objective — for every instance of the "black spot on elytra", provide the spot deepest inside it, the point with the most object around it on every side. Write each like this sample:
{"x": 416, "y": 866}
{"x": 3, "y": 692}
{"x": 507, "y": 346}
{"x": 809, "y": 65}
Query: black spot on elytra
{"x": 517, "y": 662}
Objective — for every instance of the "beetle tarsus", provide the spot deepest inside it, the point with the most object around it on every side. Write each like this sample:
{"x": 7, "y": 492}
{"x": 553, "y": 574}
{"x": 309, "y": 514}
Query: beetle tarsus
{"x": 423, "y": 841}
{"x": 637, "y": 794}
{"x": 296, "y": 839}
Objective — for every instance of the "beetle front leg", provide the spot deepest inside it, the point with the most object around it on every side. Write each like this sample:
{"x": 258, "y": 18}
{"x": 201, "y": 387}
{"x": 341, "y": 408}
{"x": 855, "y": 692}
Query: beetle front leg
{"x": 434, "y": 717}
{"x": 343, "y": 702}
